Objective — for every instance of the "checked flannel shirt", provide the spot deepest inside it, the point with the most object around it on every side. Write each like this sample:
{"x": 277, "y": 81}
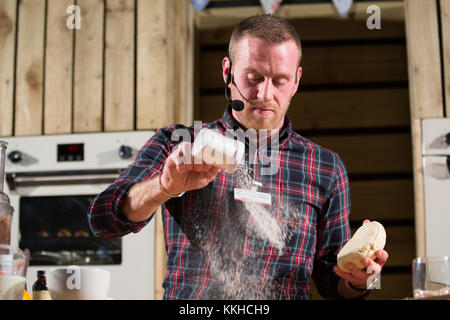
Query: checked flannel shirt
{"x": 212, "y": 249}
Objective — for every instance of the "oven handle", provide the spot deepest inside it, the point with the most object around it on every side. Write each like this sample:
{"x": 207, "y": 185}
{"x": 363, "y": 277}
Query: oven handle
{"x": 448, "y": 164}
{"x": 11, "y": 176}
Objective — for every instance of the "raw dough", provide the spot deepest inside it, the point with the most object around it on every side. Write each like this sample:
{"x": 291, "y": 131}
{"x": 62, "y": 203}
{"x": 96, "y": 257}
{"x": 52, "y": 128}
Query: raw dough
{"x": 369, "y": 238}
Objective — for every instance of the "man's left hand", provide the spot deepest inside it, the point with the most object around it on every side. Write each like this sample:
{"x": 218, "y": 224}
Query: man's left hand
{"x": 358, "y": 277}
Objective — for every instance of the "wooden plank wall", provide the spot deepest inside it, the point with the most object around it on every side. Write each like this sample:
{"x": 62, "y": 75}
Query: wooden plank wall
{"x": 113, "y": 74}
{"x": 353, "y": 99}
{"x": 58, "y": 70}
{"x": 445, "y": 31}
{"x": 8, "y": 11}
{"x": 426, "y": 95}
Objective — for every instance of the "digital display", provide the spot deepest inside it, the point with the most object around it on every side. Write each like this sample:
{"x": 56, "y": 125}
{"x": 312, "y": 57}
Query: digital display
{"x": 70, "y": 152}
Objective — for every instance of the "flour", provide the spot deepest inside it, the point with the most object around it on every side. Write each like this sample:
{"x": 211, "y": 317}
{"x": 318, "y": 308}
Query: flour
{"x": 242, "y": 273}
{"x": 262, "y": 219}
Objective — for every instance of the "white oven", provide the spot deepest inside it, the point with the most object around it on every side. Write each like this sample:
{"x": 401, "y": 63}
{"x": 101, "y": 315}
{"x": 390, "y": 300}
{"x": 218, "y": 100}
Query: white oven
{"x": 436, "y": 170}
{"x": 51, "y": 181}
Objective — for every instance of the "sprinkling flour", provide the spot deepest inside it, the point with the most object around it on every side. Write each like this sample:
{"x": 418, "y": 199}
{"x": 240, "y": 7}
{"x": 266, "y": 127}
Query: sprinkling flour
{"x": 254, "y": 228}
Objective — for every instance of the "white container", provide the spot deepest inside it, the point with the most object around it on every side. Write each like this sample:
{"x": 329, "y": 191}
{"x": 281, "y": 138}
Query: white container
{"x": 78, "y": 283}
{"x": 218, "y": 150}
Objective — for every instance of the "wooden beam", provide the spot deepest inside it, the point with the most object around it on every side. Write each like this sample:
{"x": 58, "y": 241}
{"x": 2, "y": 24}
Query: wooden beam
{"x": 332, "y": 109}
{"x": 397, "y": 203}
{"x": 320, "y": 29}
{"x": 226, "y": 17}
{"x": 58, "y": 69}
{"x": 445, "y": 29}
{"x": 8, "y": 10}
{"x": 30, "y": 68}
{"x": 155, "y": 63}
{"x": 184, "y": 63}
{"x": 425, "y": 89}
{"x": 324, "y": 64}
{"x": 370, "y": 153}
{"x": 88, "y": 68}
{"x": 119, "y": 65}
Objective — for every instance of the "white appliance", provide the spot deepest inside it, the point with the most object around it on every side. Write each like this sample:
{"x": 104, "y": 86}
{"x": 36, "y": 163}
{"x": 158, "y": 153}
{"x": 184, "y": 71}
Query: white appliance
{"x": 50, "y": 181}
{"x": 436, "y": 170}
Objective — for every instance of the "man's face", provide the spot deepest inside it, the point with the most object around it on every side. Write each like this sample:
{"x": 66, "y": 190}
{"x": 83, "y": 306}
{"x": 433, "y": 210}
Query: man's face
{"x": 264, "y": 75}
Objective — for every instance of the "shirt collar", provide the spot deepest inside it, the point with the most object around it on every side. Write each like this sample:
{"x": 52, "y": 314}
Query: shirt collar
{"x": 230, "y": 122}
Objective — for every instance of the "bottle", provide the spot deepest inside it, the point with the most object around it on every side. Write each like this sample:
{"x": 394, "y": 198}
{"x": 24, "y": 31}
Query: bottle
{"x": 218, "y": 150}
{"x": 40, "y": 290}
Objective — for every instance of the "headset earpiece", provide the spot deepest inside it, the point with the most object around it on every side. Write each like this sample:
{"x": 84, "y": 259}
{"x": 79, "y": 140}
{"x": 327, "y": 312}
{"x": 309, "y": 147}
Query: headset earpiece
{"x": 237, "y": 105}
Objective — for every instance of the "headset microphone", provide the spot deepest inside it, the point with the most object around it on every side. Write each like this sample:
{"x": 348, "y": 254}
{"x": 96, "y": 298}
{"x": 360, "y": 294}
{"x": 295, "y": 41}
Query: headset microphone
{"x": 237, "y": 105}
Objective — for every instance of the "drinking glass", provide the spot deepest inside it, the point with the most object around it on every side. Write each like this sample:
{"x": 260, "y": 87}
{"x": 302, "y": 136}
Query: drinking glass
{"x": 431, "y": 277}
{"x": 13, "y": 268}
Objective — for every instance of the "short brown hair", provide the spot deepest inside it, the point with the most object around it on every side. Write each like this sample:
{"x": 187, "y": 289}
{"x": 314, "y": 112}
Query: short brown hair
{"x": 267, "y": 27}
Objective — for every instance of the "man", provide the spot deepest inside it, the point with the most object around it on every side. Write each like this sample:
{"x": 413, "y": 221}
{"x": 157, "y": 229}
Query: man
{"x": 212, "y": 247}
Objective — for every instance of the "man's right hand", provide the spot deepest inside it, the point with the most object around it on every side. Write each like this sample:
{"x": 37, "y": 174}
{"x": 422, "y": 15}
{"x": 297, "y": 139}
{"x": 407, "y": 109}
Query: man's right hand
{"x": 181, "y": 174}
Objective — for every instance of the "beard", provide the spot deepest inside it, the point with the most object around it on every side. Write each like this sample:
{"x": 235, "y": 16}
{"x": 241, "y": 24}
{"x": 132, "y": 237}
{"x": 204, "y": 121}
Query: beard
{"x": 261, "y": 115}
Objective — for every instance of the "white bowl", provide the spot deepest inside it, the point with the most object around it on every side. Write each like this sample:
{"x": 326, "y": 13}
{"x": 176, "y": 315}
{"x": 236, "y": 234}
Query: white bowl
{"x": 78, "y": 283}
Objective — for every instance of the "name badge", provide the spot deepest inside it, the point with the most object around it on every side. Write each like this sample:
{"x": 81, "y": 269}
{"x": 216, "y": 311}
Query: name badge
{"x": 252, "y": 196}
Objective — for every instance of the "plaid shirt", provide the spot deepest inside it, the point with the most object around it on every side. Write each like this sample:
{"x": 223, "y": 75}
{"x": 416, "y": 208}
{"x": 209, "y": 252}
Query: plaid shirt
{"x": 209, "y": 238}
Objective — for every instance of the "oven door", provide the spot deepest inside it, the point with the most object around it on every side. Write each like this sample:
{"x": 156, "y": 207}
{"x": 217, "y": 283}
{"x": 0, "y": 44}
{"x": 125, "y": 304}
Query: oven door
{"x": 50, "y": 219}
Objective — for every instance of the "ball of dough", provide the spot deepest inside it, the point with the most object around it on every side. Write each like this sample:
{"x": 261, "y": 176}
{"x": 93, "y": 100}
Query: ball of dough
{"x": 369, "y": 238}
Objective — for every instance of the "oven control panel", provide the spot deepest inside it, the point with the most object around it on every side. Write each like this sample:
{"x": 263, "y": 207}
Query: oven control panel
{"x": 92, "y": 151}
{"x": 70, "y": 152}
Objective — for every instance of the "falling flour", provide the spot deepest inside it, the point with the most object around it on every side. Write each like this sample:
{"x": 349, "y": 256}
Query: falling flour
{"x": 241, "y": 276}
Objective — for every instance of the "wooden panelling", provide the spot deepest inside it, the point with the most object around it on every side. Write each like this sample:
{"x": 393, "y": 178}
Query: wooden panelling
{"x": 354, "y": 64}
{"x": 424, "y": 64}
{"x": 184, "y": 64}
{"x": 329, "y": 109}
{"x": 445, "y": 30}
{"x": 30, "y": 68}
{"x": 320, "y": 30}
{"x": 425, "y": 90}
{"x": 58, "y": 69}
{"x": 155, "y": 57}
{"x": 225, "y": 17}
{"x": 400, "y": 245}
{"x": 119, "y": 65}
{"x": 58, "y": 80}
{"x": 371, "y": 153}
{"x": 324, "y": 64}
{"x": 382, "y": 200}
{"x": 88, "y": 86}
{"x": 7, "y": 52}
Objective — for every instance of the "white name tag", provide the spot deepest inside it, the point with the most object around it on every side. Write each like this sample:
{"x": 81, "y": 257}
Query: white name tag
{"x": 252, "y": 196}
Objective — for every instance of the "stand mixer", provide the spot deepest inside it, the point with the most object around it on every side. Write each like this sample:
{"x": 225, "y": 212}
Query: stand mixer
{"x": 13, "y": 261}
